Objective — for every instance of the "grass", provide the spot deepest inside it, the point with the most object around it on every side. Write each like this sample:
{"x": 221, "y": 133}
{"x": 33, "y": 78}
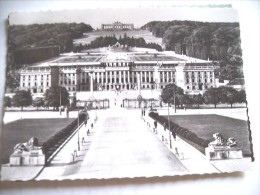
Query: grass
{"x": 206, "y": 125}
{"x": 22, "y": 130}
{"x": 149, "y": 38}
{"x": 156, "y": 58}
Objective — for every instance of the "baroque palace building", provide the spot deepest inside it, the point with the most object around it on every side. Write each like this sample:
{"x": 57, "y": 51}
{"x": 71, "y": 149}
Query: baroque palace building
{"x": 117, "y": 26}
{"x": 119, "y": 71}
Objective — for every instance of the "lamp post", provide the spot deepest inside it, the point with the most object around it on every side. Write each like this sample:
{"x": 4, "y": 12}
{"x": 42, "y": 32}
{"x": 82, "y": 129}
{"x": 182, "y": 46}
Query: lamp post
{"x": 169, "y": 127}
{"x": 78, "y": 133}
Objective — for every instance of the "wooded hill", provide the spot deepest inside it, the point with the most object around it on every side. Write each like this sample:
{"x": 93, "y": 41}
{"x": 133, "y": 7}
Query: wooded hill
{"x": 204, "y": 40}
{"x": 33, "y": 43}
{"x": 28, "y": 37}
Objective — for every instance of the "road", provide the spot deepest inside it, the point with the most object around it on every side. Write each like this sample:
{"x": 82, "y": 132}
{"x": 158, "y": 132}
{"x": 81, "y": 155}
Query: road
{"x": 122, "y": 146}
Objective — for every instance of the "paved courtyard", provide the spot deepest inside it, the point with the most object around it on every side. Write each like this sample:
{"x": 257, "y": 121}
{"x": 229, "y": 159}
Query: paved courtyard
{"x": 121, "y": 147}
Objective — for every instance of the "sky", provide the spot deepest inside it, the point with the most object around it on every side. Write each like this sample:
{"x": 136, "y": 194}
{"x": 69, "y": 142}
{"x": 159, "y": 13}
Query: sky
{"x": 136, "y": 15}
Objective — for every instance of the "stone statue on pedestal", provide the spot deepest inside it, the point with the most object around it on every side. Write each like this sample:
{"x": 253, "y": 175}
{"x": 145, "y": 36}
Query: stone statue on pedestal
{"x": 222, "y": 148}
{"x": 27, "y": 153}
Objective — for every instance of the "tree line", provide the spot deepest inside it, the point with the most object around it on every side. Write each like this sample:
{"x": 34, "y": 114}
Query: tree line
{"x": 53, "y": 97}
{"x": 105, "y": 41}
{"x": 172, "y": 94}
{"x": 214, "y": 41}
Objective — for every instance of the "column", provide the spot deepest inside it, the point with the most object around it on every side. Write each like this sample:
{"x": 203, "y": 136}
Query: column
{"x": 128, "y": 80}
{"x": 163, "y": 77}
{"x": 145, "y": 77}
{"x": 138, "y": 83}
{"x": 167, "y": 76}
{"x": 91, "y": 83}
{"x": 124, "y": 79}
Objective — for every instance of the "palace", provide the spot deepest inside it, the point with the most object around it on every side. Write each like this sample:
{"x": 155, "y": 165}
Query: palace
{"x": 117, "y": 26}
{"x": 119, "y": 71}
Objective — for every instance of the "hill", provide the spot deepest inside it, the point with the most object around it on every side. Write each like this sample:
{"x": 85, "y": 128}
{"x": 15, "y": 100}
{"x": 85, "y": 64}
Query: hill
{"x": 214, "y": 41}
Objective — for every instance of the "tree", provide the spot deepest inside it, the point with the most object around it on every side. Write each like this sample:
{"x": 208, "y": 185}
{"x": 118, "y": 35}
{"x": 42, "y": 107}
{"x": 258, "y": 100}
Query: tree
{"x": 228, "y": 95}
{"x": 169, "y": 92}
{"x": 22, "y": 98}
{"x": 211, "y": 96}
{"x": 198, "y": 99}
{"x": 56, "y": 96}
{"x": 38, "y": 102}
{"x": 7, "y": 102}
{"x": 241, "y": 96}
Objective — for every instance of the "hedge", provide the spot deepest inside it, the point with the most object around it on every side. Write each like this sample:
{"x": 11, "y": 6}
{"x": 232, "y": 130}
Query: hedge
{"x": 180, "y": 131}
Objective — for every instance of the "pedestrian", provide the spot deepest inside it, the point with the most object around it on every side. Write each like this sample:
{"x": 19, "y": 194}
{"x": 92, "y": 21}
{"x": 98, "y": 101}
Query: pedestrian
{"x": 155, "y": 124}
{"x": 83, "y": 140}
{"x": 174, "y": 134}
{"x": 85, "y": 123}
{"x": 67, "y": 112}
{"x": 144, "y": 112}
{"x": 88, "y": 132}
{"x": 164, "y": 126}
{"x": 60, "y": 110}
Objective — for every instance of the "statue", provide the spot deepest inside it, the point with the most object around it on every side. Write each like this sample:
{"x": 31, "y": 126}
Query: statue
{"x": 32, "y": 144}
{"x": 220, "y": 141}
{"x": 222, "y": 148}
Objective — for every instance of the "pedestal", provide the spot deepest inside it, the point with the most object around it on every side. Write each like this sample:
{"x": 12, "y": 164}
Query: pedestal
{"x": 220, "y": 153}
{"x": 30, "y": 158}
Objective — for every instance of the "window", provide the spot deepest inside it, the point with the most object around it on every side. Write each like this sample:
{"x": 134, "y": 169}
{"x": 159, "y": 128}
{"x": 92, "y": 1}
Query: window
{"x": 188, "y": 87}
{"x": 41, "y": 83}
{"x": 61, "y": 82}
{"x": 47, "y": 84}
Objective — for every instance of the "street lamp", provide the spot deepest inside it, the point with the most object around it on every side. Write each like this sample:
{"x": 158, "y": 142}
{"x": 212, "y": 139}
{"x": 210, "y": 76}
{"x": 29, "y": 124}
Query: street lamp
{"x": 78, "y": 133}
{"x": 169, "y": 126}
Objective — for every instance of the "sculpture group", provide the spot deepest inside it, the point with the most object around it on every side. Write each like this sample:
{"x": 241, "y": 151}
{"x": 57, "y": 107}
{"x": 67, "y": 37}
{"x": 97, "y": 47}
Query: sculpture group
{"x": 222, "y": 148}
{"x": 220, "y": 141}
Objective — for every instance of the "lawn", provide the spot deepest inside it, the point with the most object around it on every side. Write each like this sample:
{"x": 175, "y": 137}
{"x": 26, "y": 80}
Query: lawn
{"x": 206, "y": 125}
{"x": 155, "y": 58}
{"x": 91, "y": 36}
{"x": 22, "y": 130}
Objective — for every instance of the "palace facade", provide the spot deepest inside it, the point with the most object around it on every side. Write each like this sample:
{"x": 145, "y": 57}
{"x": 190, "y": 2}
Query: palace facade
{"x": 117, "y": 26}
{"x": 119, "y": 71}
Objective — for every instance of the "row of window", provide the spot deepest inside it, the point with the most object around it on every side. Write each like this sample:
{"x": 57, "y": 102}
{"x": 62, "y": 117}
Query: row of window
{"x": 198, "y": 73}
{"x": 36, "y": 77}
{"x": 199, "y": 80}
{"x": 35, "y": 84}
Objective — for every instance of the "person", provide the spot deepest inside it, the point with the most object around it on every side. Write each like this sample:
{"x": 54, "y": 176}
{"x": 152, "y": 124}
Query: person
{"x": 155, "y": 124}
{"x": 67, "y": 112}
{"x": 60, "y": 110}
{"x": 88, "y": 132}
{"x": 144, "y": 112}
{"x": 164, "y": 126}
{"x": 174, "y": 134}
{"x": 85, "y": 122}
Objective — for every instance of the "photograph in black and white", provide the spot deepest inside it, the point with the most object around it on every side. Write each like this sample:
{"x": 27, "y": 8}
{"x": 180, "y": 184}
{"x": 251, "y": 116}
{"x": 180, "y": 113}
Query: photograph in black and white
{"x": 124, "y": 93}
